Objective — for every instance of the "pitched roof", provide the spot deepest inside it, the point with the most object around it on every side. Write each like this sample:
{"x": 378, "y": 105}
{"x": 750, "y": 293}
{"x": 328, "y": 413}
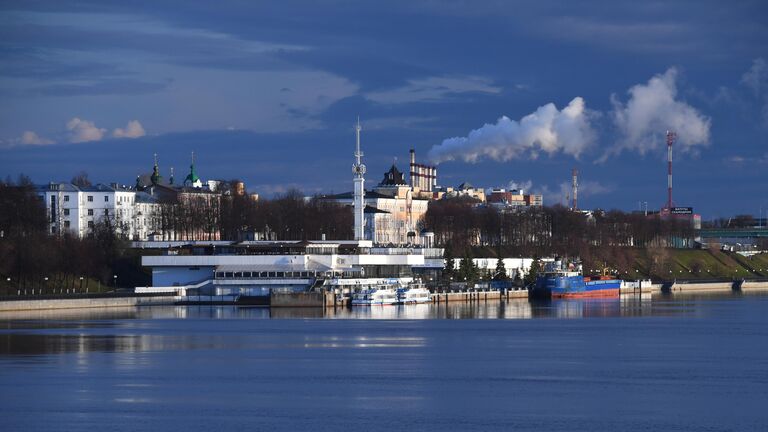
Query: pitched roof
{"x": 393, "y": 177}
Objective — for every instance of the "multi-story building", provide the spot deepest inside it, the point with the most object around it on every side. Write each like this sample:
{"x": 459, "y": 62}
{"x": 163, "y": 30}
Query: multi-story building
{"x": 514, "y": 199}
{"x": 78, "y": 209}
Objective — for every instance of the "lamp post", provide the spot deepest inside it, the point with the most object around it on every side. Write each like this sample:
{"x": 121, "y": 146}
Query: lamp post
{"x": 114, "y": 278}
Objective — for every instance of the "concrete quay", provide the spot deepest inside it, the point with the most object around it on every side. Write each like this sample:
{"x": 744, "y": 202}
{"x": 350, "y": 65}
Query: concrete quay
{"x": 477, "y": 296}
{"x": 84, "y": 303}
{"x": 714, "y": 286}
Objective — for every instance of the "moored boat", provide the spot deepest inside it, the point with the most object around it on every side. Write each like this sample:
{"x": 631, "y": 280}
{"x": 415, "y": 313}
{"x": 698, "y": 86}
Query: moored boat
{"x": 375, "y": 296}
{"x": 560, "y": 282}
{"x": 416, "y": 293}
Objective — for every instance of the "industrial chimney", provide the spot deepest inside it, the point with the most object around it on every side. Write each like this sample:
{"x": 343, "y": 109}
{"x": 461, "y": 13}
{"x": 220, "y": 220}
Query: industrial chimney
{"x": 671, "y": 137}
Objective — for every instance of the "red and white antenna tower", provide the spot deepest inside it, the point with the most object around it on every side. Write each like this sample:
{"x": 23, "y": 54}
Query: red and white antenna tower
{"x": 575, "y": 189}
{"x": 671, "y": 137}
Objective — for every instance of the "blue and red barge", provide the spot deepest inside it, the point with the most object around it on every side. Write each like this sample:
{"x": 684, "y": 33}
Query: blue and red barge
{"x": 559, "y": 283}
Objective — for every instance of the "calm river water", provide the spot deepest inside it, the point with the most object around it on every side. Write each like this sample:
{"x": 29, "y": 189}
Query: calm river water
{"x": 682, "y": 363}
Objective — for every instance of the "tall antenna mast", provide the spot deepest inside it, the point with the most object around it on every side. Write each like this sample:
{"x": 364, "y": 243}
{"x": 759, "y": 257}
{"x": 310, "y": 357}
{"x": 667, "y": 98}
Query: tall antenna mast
{"x": 358, "y": 153}
{"x": 575, "y": 188}
{"x": 358, "y": 168}
{"x": 671, "y": 137}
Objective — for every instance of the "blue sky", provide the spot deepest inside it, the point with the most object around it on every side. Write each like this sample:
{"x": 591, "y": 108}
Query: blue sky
{"x": 497, "y": 92}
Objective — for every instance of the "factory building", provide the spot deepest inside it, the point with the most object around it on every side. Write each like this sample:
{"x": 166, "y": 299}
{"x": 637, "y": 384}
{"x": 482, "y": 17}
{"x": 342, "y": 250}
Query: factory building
{"x": 423, "y": 177}
{"x": 514, "y": 199}
{"x": 464, "y": 190}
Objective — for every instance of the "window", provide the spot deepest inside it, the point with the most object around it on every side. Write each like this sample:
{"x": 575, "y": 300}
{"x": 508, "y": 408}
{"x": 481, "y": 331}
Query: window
{"x": 66, "y": 224}
{"x": 106, "y": 212}
{"x": 66, "y": 212}
{"x": 106, "y": 198}
{"x": 90, "y": 224}
{"x": 90, "y": 198}
{"x": 66, "y": 198}
{"x": 90, "y": 212}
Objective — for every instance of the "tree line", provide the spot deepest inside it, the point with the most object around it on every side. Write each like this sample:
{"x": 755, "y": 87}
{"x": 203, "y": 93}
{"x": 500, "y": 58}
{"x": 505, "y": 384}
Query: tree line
{"x": 33, "y": 261}
{"x": 31, "y": 258}
{"x": 464, "y": 227}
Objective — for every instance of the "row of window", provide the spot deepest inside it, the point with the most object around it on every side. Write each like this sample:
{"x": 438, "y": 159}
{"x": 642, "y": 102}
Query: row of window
{"x": 304, "y": 274}
{"x": 90, "y": 212}
{"x": 89, "y": 198}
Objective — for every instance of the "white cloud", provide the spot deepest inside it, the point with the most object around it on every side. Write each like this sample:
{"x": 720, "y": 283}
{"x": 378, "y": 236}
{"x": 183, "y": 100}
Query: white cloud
{"x": 84, "y": 130}
{"x": 132, "y": 130}
{"x": 31, "y": 138}
{"x": 432, "y": 89}
{"x": 547, "y": 130}
{"x": 756, "y": 78}
{"x": 652, "y": 109}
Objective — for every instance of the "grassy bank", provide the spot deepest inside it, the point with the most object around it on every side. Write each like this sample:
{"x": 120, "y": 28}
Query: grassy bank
{"x": 667, "y": 263}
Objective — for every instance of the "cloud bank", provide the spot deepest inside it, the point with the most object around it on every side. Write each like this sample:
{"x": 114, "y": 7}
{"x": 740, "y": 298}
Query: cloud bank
{"x": 547, "y": 130}
{"x": 651, "y": 110}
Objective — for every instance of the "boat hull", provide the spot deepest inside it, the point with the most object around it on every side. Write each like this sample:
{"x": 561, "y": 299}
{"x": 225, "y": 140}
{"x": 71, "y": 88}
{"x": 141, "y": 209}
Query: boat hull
{"x": 575, "y": 287}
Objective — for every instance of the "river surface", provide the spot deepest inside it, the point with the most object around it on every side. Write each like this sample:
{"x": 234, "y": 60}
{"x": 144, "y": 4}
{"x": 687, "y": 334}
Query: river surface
{"x": 681, "y": 363}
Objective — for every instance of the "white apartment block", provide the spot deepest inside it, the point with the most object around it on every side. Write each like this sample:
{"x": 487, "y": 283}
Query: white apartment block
{"x": 77, "y": 209}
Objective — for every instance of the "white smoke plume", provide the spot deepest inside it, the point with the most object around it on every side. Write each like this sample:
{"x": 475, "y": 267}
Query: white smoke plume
{"x": 559, "y": 193}
{"x": 523, "y": 185}
{"x": 134, "y": 129}
{"x": 545, "y": 130}
{"x": 84, "y": 130}
{"x": 652, "y": 109}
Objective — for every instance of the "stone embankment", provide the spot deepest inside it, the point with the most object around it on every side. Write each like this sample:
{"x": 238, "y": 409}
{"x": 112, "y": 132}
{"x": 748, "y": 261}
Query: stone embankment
{"x": 29, "y": 304}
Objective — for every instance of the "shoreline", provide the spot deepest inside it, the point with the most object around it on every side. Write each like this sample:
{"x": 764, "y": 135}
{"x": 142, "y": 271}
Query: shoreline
{"x": 328, "y": 301}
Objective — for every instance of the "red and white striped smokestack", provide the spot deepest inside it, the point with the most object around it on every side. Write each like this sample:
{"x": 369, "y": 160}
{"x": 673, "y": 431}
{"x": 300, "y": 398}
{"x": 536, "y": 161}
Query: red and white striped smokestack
{"x": 671, "y": 136}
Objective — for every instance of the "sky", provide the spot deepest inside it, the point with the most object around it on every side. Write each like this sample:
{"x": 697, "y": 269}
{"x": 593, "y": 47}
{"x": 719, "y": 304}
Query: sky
{"x": 510, "y": 94}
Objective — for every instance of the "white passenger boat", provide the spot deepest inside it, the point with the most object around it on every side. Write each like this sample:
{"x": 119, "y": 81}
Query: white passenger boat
{"x": 414, "y": 294}
{"x": 375, "y": 296}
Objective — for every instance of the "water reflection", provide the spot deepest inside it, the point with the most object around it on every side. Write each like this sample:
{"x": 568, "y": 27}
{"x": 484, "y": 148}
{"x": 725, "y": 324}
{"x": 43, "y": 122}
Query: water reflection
{"x": 133, "y": 331}
{"x": 626, "y": 306}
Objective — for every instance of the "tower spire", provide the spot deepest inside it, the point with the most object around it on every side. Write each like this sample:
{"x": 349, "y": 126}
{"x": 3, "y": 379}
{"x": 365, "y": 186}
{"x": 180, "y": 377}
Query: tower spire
{"x": 156, "y": 177}
{"x": 358, "y": 168}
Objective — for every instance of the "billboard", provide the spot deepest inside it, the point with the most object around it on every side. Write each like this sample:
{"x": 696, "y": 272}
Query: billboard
{"x": 681, "y": 210}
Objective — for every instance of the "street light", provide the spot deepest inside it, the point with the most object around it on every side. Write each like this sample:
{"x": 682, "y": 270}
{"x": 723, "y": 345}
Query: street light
{"x": 115, "y": 280}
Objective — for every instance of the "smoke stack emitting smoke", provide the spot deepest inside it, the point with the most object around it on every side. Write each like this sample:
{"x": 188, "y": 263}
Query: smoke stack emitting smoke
{"x": 546, "y": 130}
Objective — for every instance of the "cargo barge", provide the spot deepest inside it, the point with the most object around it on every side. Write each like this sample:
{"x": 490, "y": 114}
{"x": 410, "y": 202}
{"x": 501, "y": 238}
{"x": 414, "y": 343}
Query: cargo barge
{"x": 558, "y": 281}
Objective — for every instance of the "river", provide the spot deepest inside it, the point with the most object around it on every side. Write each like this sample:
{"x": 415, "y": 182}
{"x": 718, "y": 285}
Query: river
{"x": 671, "y": 363}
